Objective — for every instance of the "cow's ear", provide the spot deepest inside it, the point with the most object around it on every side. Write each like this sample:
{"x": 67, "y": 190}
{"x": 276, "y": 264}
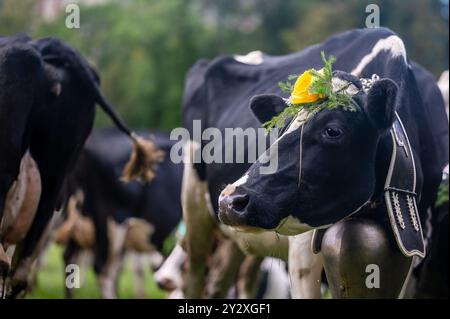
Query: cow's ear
{"x": 381, "y": 102}
{"x": 266, "y": 106}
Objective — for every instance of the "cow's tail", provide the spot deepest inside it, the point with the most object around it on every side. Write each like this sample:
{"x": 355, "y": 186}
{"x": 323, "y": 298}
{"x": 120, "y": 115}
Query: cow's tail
{"x": 145, "y": 155}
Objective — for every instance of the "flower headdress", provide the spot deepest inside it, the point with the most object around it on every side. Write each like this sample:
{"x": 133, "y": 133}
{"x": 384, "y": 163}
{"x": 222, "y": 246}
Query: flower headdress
{"x": 314, "y": 91}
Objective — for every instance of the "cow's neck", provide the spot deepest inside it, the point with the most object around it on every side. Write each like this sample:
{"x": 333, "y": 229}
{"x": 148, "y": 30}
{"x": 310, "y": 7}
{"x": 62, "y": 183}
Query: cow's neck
{"x": 382, "y": 161}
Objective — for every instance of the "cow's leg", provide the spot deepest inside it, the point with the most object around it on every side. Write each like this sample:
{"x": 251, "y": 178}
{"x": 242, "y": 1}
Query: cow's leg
{"x": 41, "y": 261}
{"x": 85, "y": 261}
{"x": 5, "y": 264}
{"x": 361, "y": 260}
{"x": 108, "y": 277}
{"x": 102, "y": 240}
{"x": 199, "y": 227}
{"x": 118, "y": 271}
{"x": 18, "y": 277}
{"x": 19, "y": 212}
{"x": 305, "y": 267}
{"x": 23, "y": 270}
{"x": 29, "y": 248}
{"x": 249, "y": 273}
{"x": 257, "y": 244}
{"x": 138, "y": 264}
{"x": 224, "y": 267}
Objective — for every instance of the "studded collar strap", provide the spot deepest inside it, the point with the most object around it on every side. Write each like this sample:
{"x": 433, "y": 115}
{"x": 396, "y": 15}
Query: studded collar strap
{"x": 400, "y": 194}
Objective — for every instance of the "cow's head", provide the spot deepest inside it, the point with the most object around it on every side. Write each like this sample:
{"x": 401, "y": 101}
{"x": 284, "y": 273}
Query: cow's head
{"x": 326, "y": 166}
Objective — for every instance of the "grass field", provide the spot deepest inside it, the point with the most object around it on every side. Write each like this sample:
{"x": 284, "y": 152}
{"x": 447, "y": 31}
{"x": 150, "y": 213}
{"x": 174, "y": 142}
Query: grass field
{"x": 50, "y": 281}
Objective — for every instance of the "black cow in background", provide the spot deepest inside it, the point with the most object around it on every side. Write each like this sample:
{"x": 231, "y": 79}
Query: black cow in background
{"x": 48, "y": 94}
{"x": 122, "y": 216}
{"x": 431, "y": 276}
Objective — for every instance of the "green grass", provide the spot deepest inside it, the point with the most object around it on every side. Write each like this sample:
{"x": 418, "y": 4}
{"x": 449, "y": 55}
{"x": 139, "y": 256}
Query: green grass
{"x": 50, "y": 281}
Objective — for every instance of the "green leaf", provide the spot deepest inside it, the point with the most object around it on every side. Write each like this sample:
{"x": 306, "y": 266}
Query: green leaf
{"x": 322, "y": 85}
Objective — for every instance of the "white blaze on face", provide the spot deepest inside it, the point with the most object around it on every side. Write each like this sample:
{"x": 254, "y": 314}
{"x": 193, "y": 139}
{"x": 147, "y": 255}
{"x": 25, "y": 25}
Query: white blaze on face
{"x": 296, "y": 123}
{"x": 271, "y": 155}
{"x": 241, "y": 181}
{"x": 393, "y": 44}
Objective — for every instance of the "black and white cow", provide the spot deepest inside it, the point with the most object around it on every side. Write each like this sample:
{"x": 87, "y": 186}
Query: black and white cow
{"x": 338, "y": 161}
{"x": 48, "y": 94}
{"x": 342, "y": 166}
{"x": 112, "y": 216}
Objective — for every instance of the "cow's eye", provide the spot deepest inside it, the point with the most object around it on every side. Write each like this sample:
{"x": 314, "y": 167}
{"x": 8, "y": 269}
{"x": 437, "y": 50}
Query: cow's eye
{"x": 332, "y": 132}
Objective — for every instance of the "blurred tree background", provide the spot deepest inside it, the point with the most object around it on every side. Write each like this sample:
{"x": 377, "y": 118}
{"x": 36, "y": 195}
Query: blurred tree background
{"x": 143, "y": 48}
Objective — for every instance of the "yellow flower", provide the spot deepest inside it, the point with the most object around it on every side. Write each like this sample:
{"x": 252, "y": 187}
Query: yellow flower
{"x": 301, "y": 94}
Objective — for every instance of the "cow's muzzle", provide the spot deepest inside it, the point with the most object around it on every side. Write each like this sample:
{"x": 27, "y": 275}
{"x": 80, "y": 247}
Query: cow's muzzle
{"x": 233, "y": 207}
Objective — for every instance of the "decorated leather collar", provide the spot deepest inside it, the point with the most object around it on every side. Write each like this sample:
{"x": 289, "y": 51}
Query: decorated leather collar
{"x": 400, "y": 194}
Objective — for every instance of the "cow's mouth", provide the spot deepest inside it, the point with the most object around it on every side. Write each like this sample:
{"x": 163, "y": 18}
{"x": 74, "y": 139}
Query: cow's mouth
{"x": 239, "y": 209}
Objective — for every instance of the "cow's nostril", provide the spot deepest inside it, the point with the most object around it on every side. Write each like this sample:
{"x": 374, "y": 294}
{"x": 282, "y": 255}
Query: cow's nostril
{"x": 239, "y": 202}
